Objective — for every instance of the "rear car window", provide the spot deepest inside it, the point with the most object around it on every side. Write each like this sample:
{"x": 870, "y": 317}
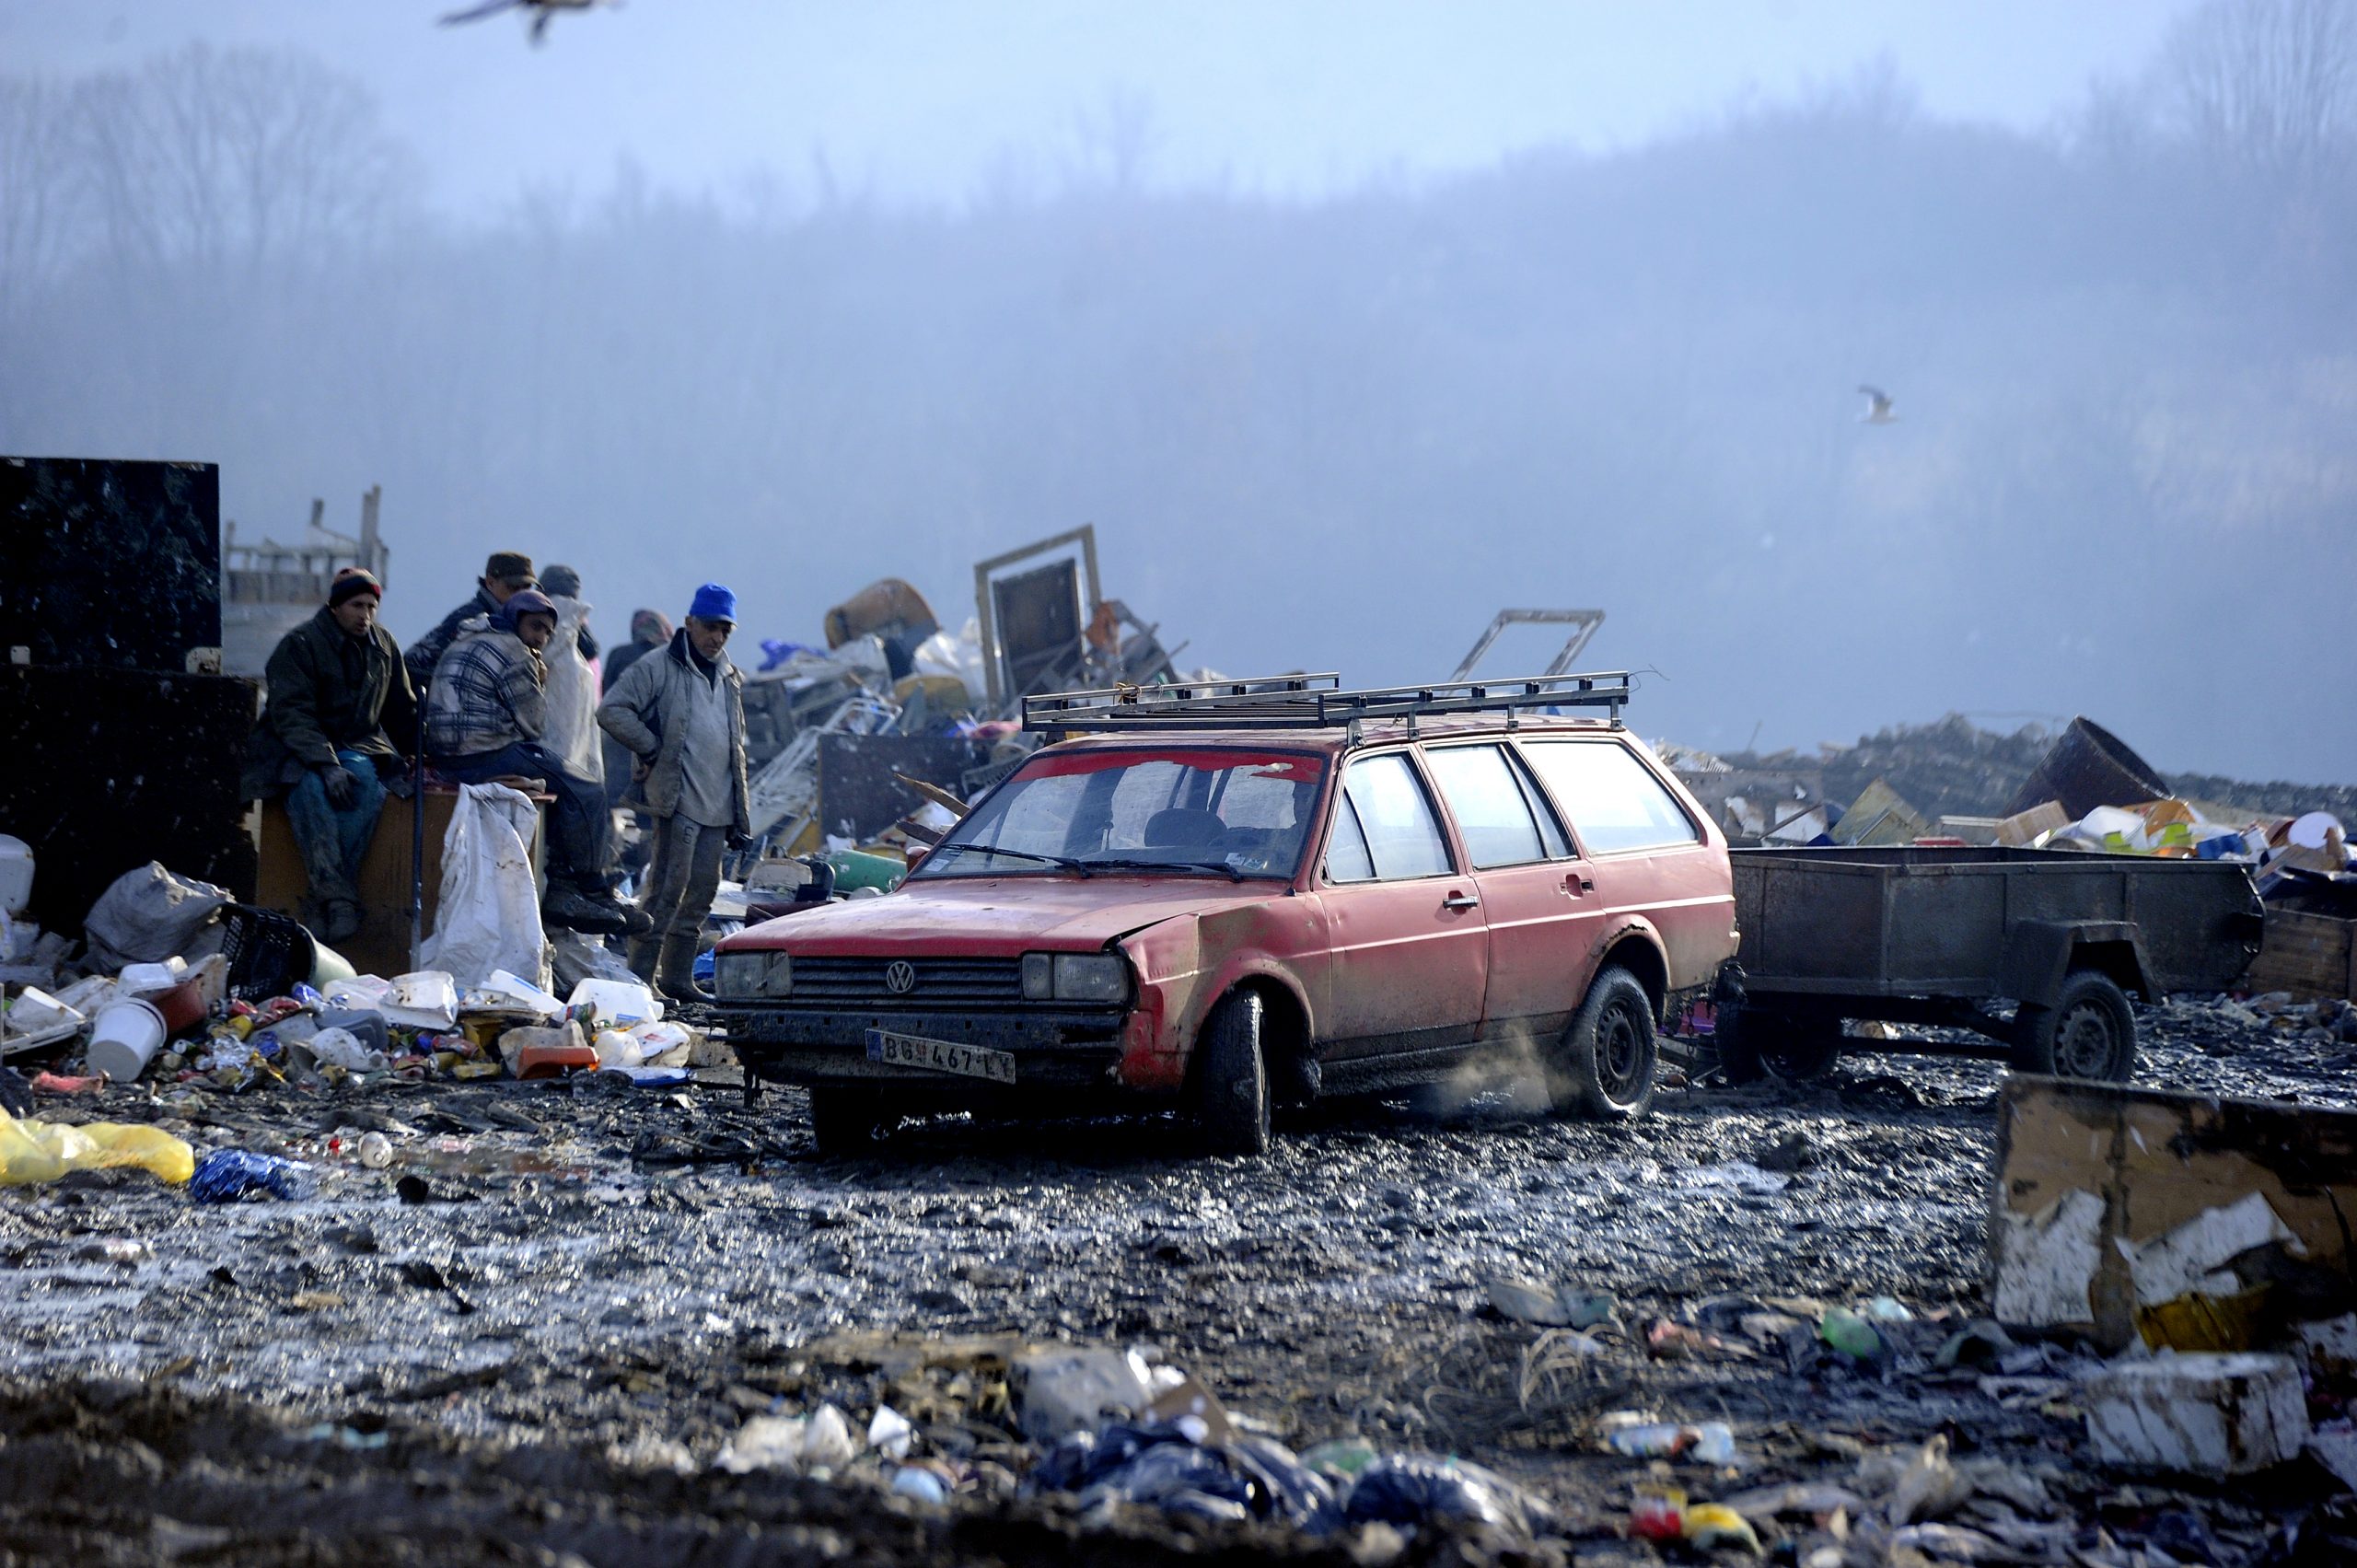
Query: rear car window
{"x": 1612, "y": 801}
{"x": 1483, "y": 794}
{"x": 1401, "y": 835}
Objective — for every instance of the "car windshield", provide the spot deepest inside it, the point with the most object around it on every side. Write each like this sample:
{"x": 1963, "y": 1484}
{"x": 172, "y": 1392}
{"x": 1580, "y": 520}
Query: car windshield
{"x": 1208, "y": 812}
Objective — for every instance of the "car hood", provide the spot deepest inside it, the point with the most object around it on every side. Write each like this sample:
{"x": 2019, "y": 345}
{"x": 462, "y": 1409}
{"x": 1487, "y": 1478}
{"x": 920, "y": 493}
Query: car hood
{"x": 998, "y": 916}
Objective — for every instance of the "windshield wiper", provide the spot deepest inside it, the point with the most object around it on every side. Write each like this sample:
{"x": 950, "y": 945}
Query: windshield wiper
{"x": 1129, "y": 864}
{"x": 1064, "y": 863}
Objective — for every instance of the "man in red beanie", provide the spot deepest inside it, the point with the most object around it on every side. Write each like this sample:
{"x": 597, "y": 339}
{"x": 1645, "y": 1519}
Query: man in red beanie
{"x": 334, "y": 682}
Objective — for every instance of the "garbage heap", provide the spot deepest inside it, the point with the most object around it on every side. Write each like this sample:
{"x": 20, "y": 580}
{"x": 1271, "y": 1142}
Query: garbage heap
{"x": 182, "y": 987}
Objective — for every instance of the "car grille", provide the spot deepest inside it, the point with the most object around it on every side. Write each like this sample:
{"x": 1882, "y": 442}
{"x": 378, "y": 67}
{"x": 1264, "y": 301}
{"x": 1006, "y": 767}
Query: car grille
{"x": 940, "y": 982}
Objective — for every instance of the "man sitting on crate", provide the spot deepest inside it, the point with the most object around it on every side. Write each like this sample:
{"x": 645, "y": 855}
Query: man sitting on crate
{"x": 484, "y": 716}
{"x": 334, "y": 684}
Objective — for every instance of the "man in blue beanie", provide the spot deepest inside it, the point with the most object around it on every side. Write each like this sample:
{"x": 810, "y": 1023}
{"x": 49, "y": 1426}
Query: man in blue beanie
{"x": 682, "y": 715}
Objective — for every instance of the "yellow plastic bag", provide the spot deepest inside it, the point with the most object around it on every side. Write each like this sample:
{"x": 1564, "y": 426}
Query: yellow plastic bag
{"x": 35, "y": 1152}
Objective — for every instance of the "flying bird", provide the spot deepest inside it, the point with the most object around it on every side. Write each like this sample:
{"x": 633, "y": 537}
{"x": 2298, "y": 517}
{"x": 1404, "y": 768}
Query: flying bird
{"x": 541, "y": 11}
{"x": 1877, "y": 406}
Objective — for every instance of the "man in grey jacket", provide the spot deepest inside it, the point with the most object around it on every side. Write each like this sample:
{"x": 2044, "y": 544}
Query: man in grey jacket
{"x": 681, "y": 712}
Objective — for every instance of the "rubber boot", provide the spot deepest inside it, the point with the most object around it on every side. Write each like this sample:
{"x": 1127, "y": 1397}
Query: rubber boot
{"x": 643, "y": 951}
{"x": 675, "y": 971}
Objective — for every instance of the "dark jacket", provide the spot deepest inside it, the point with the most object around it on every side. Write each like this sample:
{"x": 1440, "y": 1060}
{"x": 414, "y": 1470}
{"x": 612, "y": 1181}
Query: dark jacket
{"x": 647, "y": 712}
{"x": 622, "y": 658}
{"x": 327, "y": 692}
{"x": 427, "y": 651}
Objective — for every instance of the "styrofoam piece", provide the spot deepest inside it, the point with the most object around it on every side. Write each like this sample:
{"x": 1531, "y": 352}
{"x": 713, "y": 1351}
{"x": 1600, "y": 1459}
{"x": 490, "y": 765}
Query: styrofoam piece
{"x": 615, "y": 1001}
{"x": 2209, "y": 1415}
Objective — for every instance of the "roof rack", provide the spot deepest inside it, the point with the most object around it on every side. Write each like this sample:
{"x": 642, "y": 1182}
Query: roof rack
{"x": 1312, "y": 702}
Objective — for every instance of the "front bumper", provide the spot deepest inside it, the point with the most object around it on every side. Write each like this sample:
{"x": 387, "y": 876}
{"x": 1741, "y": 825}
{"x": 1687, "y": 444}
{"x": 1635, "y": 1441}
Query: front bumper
{"x": 1062, "y": 1048}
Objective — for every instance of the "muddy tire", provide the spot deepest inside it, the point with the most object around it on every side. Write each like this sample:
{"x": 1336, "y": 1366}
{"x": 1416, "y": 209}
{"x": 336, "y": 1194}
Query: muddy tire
{"x": 1755, "y": 1043}
{"x": 848, "y": 1122}
{"x": 1604, "y": 1066}
{"x": 1232, "y": 1078}
{"x": 2089, "y": 1032}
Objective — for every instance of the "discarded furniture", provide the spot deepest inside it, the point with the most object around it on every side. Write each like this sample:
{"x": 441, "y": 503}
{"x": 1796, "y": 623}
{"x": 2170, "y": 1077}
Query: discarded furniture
{"x": 2306, "y": 953}
{"x": 1032, "y": 621}
{"x": 1582, "y": 623}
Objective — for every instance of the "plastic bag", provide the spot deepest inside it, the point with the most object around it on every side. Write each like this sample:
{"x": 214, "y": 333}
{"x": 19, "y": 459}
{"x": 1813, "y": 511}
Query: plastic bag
{"x": 146, "y": 916}
{"x": 32, "y": 1152}
{"x": 959, "y": 657}
{"x": 571, "y": 695}
{"x": 1412, "y": 1489}
{"x": 490, "y": 914}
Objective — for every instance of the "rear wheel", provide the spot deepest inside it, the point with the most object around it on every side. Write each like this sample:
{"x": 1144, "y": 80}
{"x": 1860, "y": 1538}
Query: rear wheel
{"x": 1232, "y": 1078}
{"x": 848, "y": 1120}
{"x": 2089, "y": 1032}
{"x": 1604, "y": 1067}
{"x": 1757, "y": 1042}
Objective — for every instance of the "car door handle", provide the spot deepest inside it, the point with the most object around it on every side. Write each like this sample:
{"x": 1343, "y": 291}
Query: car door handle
{"x": 1460, "y": 901}
{"x": 1575, "y": 884}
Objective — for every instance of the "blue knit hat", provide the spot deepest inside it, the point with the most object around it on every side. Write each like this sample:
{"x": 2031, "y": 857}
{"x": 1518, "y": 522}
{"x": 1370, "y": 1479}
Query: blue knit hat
{"x": 714, "y": 602}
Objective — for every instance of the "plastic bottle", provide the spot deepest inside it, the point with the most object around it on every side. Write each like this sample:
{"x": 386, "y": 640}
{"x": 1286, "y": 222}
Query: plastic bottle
{"x": 1849, "y": 1334}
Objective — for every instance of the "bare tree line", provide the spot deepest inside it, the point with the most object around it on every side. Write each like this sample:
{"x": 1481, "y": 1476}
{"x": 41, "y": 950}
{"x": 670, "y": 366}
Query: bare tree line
{"x": 1620, "y": 380}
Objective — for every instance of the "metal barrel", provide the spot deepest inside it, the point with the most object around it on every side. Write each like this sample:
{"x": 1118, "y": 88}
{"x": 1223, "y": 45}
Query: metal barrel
{"x": 2088, "y": 767}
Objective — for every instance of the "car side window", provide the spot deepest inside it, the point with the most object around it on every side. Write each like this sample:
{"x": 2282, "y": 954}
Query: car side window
{"x": 1480, "y": 786}
{"x": 1386, "y": 799}
{"x": 1346, "y": 856}
{"x": 1551, "y": 827}
{"x": 1613, "y": 802}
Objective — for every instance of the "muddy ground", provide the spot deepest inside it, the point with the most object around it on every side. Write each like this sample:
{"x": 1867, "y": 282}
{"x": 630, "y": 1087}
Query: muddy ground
{"x": 541, "y": 1358}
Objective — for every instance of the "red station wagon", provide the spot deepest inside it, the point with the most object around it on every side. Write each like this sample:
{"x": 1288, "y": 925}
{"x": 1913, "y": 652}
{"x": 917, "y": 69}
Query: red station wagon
{"x": 1257, "y": 893}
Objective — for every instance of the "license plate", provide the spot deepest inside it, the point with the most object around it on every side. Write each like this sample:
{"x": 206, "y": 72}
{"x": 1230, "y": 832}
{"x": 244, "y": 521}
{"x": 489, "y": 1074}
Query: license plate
{"x": 940, "y": 1056}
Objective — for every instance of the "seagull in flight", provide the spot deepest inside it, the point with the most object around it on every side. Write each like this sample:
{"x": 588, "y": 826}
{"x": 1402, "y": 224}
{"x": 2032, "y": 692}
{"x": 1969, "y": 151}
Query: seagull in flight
{"x": 541, "y": 11}
{"x": 1877, "y": 406}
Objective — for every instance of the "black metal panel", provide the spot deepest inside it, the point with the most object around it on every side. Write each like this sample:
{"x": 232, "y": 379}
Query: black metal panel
{"x": 109, "y": 562}
{"x": 858, "y": 796}
{"x": 108, "y": 769}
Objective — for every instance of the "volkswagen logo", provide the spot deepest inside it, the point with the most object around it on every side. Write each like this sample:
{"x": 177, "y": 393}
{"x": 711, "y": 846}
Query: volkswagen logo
{"x": 900, "y": 977}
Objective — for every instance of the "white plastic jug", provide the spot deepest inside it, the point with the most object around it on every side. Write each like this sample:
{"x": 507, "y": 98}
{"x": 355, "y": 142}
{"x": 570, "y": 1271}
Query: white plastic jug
{"x": 15, "y": 875}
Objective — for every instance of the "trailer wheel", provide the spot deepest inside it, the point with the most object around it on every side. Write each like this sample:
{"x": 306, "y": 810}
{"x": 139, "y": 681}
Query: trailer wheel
{"x": 847, "y": 1122}
{"x": 2089, "y": 1032}
{"x": 1604, "y": 1068}
{"x": 1755, "y": 1043}
{"x": 1232, "y": 1078}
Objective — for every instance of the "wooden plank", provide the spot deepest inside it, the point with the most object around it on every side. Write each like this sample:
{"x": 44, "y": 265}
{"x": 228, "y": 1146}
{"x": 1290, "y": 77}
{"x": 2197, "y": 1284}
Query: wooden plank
{"x": 2308, "y": 955}
{"x": 2135, "y": 1165}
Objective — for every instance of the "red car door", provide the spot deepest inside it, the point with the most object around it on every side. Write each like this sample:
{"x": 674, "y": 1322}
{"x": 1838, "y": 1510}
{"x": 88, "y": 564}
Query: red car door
{"x": 1409, "y": 949}
{"x": 1537, "y": 896}
{"x": 1650, "y": 856}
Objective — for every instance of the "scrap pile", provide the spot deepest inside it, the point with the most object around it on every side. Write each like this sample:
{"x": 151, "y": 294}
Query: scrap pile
{"x": 843, "y": 740}
{"x": 194, "y": 995}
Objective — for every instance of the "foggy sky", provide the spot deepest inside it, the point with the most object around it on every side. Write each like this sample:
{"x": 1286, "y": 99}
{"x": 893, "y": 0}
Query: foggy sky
{"x": 1591, "y": 341}
{"x": 927, "y": 98}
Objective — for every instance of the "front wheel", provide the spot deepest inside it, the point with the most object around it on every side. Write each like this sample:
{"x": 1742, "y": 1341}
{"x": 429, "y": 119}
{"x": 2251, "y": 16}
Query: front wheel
{"x": 2089, "y": 1032}
{"x": 1232, "y": 1078}
{"x": 1604, "y": 1067}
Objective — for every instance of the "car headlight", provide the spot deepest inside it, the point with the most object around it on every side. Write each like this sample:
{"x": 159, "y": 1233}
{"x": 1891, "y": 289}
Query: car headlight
{"x": 1091, "y": 977}
{"x": 753, "y": 974}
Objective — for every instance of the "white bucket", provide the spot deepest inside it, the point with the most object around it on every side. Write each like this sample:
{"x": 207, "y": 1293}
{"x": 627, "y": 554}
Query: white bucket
{"x": 125, "y": 1038}
{"x": 15, "y": 875}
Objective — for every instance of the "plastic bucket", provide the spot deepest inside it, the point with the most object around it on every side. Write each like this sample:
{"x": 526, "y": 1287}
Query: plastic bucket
{"x": 2088, "y": 767}
{"x": 125, "y": 1038}
{"x": 15, "y": 875}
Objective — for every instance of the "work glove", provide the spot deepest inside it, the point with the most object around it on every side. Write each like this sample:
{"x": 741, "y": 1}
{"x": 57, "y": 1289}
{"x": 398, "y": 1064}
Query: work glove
{"x": 16, "y": 1095}
{"x": 342, "y": 787}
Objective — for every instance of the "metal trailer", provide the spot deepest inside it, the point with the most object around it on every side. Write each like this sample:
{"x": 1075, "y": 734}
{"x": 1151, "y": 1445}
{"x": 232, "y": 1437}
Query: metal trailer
{"x": 1948, "y": 937}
